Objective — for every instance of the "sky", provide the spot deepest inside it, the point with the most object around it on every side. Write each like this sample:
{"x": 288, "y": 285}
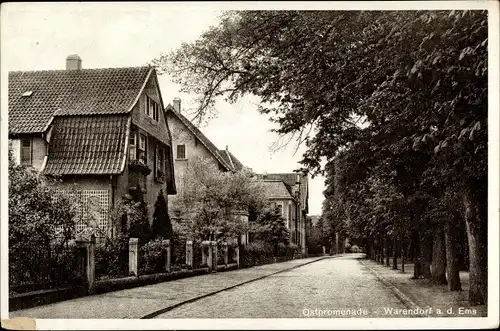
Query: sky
{"x": 40, "y": 36}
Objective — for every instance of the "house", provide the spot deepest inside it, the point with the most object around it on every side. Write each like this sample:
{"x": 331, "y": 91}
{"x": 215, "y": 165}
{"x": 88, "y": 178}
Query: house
{"x": 101, "y": 129}
{"x": 297, "y": 185}
{"x": 280, "y": 196}
{"x": 190, "y": 143}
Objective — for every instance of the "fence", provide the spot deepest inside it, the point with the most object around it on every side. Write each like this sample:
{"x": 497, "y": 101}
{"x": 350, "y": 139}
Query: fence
{"x": 51, "y": 267}
{"x": 86, "y": 262}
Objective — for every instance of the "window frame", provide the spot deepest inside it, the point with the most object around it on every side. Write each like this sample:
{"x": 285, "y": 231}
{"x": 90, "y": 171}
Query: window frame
{"x": 22, "y": 161}
{"x": 183, "y": 152}
{"x": 160, "y": 161}
{"x": 142, "y": 152}
{"x": 152, "y": 109}
{"x": 132, "y": 148}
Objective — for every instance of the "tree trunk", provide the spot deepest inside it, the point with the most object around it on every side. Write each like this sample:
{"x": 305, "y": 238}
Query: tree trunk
{"x": 395, "y": 254}
{"x": 387, "y": 252}
{"x": 426, "y": 255}
{"x": 438, "y": 257}
{"x": 403, "y": 256}
{"x": 452, "y": 266}
{"x": 476, "y": 235}
{"x": 417, "y": 270}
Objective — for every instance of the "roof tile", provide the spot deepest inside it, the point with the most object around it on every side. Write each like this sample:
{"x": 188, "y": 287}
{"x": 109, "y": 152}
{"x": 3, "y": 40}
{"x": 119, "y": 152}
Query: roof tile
{"x": 70, "y": 92}
{"x": 87, "y": 145}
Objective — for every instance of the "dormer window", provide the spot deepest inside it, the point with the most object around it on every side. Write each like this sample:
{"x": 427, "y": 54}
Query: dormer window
{"x": 152, "y": 109}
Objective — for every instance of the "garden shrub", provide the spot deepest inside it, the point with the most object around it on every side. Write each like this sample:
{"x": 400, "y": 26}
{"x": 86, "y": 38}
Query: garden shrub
{"x": 256, "y": 252}
{"x": 153, "y": 256}
{"x": 112, "y": 258}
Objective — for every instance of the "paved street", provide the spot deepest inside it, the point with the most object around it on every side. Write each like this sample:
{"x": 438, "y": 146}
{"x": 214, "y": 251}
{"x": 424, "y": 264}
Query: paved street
{"x": 332, "y": 286}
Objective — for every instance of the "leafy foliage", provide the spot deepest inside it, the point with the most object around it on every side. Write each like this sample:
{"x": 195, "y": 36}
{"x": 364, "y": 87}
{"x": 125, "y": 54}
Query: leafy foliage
{"x": 40, "y": 225}
{"x": 397, "y": 102}
{"x": 209, "y": 198}
{"x": 271, "y": 228}
{"x": 162, "y": 227}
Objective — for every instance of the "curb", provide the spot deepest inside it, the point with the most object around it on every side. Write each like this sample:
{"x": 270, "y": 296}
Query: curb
{"x": 406, "y": 300}
{"x": 166, "y": 309}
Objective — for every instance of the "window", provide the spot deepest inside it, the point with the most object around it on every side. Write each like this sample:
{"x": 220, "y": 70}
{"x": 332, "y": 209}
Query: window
{"x": 160, "y": 162}
{"x": 26, "y": 152}
{"x": 280, "y": 209}
{"x": 152, "y": 108}
{"x": 132, "y": 146}
{"x": 142, "y": 156}
{"x": 181, "y": 151}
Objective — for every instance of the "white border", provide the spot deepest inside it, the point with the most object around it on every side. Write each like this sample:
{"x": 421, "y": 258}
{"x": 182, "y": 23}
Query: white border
{"x": 374, "y": 323}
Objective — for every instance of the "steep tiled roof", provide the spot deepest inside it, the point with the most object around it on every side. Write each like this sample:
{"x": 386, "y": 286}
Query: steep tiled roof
{"x": 198, "y": 134}
{"x": 71, "y": 92}
{"x": 231, "y": 159}
{"x": 276, "y": 189}
{"x": 290, "y": 180}
{"x": 87, "y": 145}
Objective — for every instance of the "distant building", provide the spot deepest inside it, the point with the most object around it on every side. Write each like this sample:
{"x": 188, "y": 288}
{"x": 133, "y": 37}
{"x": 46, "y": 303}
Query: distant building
{"x": 91, "y": 126}
{"x": 280, "y": 196}
{"x": 297, "y": 186}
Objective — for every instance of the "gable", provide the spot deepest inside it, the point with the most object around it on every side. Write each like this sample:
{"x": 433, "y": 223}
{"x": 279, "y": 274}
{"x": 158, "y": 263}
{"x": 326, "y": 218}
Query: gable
{"x": 181, "y": 125}
{"x": 157, "y": 128}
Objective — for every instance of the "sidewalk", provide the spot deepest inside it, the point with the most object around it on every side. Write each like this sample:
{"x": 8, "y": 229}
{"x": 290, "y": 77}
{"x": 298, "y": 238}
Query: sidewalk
{"x": 142, "y": 301}
{"x": 425, "y": 294}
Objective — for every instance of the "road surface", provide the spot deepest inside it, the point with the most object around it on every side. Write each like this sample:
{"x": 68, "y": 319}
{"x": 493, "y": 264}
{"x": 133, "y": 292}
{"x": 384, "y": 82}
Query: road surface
{"x": 332, "y": 287}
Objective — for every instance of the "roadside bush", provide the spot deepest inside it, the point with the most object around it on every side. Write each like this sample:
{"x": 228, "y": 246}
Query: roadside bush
{"x": 282, "y": 249}
{"x": 178, "y": 249}
{"x": 153, "y": 256}
{"x": 112, "y": 258}
{"x": 256, "y": 252}
{"x": 348, "y": 248}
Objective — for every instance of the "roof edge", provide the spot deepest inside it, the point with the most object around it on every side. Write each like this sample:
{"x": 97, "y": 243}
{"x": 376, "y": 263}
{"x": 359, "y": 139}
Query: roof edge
{"x": 141, "y": 90}
{"x": 125, "y": 153}
{"x": 216, "y": 155}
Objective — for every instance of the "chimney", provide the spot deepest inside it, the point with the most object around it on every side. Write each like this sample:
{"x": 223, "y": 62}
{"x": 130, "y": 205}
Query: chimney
{"x": 177, "y": 104}
{"x": 227, "y": 148}
{"x": 73, "y": 62}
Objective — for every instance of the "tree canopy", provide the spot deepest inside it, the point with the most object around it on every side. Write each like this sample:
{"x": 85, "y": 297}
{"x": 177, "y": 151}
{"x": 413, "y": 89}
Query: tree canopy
{"x": 395, "y": 102}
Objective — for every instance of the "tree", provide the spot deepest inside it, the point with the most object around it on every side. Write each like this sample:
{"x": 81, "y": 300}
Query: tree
{"x": 210, "y": 197}
{"x": 40, "y": 221}
{"x": 409, "y": 86}
{"x": 162, "y": 227}
{"x": 270, "y": 227}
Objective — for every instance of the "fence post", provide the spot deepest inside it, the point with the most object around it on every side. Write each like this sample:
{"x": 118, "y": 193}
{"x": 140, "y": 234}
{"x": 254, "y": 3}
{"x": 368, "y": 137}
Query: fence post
{"x": 237, "y": 254}
{"x": 91, "y": 265}
{"x": 213, "y": 259}
{"x": 206, "y": 254}
{"x": 226, "y": 256}
{"x": 167, "y": 262}
{"x": 86, "y": 263}
{"x": 189, "y": 253}
{"x": 133, "y": 255}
